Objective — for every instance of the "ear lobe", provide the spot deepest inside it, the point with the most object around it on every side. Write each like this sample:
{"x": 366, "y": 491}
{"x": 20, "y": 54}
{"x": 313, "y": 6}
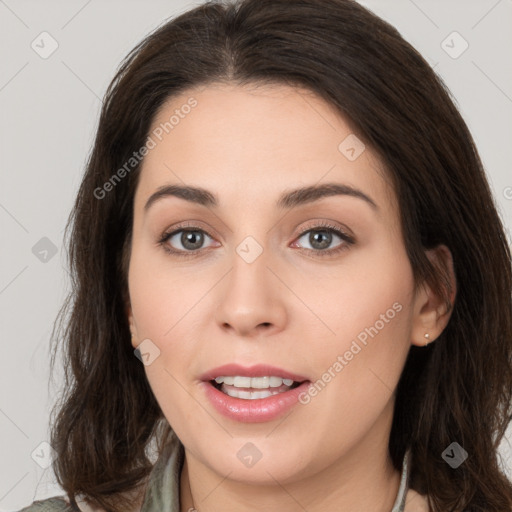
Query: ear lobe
{"x": 432, "y": 310}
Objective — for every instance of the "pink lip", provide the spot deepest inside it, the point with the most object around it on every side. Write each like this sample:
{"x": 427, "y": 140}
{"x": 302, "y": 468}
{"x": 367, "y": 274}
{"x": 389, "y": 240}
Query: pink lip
{"x": 259, "y": 370}
{"x": 253, "y": 411}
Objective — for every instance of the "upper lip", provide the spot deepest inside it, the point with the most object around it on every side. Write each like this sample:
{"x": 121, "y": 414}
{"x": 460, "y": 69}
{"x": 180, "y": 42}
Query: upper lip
{"x": 259, "y": 370}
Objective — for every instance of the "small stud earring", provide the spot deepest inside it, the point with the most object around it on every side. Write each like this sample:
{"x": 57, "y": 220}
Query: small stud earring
{"x": 427, "y": 338}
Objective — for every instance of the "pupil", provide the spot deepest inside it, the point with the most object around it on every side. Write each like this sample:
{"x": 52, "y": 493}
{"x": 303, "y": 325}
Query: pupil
{"x": 192, "y": 239}
{"x": 322, "y": 245}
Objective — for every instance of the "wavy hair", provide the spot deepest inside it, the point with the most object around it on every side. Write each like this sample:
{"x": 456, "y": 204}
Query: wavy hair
{"x": 456, "y": 389}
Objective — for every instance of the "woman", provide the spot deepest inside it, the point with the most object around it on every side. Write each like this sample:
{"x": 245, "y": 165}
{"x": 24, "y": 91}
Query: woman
{"x": 287, "y": 216}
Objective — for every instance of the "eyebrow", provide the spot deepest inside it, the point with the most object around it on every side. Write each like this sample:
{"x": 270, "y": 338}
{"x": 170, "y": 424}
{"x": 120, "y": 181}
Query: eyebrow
{"x": 289, "y": 199}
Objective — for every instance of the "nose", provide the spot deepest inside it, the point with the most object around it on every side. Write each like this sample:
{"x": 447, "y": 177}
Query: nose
{"x": 251, "y": 299}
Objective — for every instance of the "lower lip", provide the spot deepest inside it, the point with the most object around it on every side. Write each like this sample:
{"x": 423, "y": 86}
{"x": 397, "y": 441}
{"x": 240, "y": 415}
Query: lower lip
{"x": 253, "y": 411}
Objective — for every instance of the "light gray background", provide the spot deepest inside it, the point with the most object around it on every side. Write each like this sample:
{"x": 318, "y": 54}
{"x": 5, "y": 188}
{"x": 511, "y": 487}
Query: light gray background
{"x": 49, "y": 110}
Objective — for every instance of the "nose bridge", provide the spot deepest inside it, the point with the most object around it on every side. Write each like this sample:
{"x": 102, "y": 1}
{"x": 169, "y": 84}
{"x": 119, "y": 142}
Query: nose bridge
{"x": 249, "y": 274}
{"x": 251, "y": 294}
{"x": 250, "y": 250}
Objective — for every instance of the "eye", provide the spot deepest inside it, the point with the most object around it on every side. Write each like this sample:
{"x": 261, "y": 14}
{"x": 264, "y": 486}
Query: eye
{"x": 185, "y": 241}
{"x": 321, "y": 237}
{"x": 182, "y": 241}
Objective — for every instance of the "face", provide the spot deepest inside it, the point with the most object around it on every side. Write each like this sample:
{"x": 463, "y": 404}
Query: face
{"x": 316, "y": 285}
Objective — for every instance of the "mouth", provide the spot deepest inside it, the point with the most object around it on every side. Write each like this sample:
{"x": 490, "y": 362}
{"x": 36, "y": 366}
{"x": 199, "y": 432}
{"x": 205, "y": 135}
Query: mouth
{"x": 253, "y": 388}
{"x": 252, "y": 394}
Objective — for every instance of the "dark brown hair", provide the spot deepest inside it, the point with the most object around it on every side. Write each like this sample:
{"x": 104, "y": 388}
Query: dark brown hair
{"x": 458, "y": 389}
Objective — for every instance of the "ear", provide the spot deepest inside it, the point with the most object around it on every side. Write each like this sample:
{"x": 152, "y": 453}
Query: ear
{"x": 133, "y": 328}
{"x": 431, "y": 311}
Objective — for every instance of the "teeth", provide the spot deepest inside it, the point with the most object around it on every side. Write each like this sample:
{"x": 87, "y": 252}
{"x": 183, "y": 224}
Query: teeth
{"x": 249, "y": 395}
{"x": 226, "y": 380}
{"x": 253, "y": 382}
{"x": 242, "y": 382}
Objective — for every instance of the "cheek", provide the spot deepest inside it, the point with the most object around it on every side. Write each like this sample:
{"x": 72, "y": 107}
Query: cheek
{"x": 359, "y": 366}
{"x": 162, "y": 303}
{"x": 369, "y": 291}
{"x": 369, "y": 314}
{"x": 162, "y": 293}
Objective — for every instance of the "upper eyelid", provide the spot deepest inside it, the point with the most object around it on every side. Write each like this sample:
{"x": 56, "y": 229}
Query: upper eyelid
{"x": 327, "y": 225}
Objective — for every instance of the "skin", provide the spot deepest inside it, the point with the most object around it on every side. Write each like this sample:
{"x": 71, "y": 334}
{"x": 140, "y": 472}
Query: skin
{"x": 291, "y": 307}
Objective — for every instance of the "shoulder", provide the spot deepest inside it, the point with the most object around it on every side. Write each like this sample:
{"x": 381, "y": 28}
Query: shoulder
{"x": 55, "y": 504}
{"x": 415, "y": 502}
{"x": 59, "y": 504}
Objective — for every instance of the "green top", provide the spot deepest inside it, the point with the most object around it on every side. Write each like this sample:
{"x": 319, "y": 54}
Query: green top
{"x": 163, "y": 489}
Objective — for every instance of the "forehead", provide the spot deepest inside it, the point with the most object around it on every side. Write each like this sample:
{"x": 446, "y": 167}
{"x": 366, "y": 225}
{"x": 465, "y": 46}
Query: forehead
{"x": 248, "y": 143}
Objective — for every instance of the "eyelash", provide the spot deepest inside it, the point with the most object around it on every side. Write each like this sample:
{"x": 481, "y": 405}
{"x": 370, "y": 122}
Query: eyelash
{"x": 322, "y": 226}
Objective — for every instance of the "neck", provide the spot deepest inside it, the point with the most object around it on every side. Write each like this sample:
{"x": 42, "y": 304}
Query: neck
{"x": 363, "y": 478}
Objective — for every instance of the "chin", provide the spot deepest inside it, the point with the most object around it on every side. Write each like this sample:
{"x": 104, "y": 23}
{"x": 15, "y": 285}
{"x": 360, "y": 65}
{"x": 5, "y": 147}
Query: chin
{"x": 258, "y": 461}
